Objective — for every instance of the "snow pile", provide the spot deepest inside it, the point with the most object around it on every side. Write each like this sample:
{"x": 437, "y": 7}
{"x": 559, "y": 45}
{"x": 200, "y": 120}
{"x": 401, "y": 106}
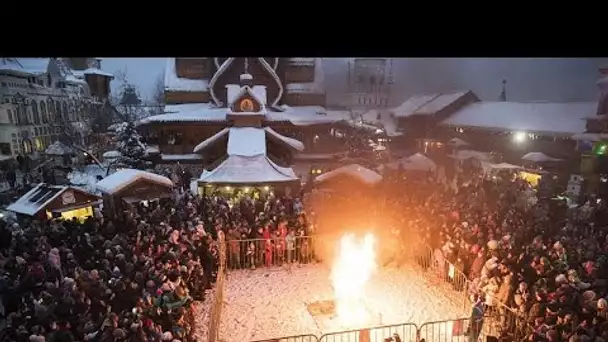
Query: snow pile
{"x": 111, "y": 155}
{"x": 272, "y": 303}
{"x": 201, "y": 311}
{"x": 87, "y": 178}
{"x": 58, "y": 149}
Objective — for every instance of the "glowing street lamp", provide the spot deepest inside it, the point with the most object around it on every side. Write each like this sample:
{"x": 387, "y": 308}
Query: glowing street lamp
{"x": 519, "y": 137}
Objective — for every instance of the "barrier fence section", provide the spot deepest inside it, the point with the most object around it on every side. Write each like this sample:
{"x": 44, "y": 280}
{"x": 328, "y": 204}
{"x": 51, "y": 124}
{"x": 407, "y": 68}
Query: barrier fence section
{"x": 405, "y": 332}
{"x": 433, "y": 262}
{"x": 500, "y": 319}
{"x": 215, "y": 314}
{"x": 276, "y": 251}
{"x": 296, "y": 338}
{"x": 457, "y": 330}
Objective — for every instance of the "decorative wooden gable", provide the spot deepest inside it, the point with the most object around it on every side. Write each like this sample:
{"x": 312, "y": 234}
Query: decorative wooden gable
{"x": 246, "y": 110}
{"x": 72, "y": 198}
{"x": 246, "y": 103}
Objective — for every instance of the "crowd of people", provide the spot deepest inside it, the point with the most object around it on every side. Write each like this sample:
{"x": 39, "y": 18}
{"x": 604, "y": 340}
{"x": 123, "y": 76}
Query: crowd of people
{"x": 130, "y": 277}
{"x": 539, "y": 265}
{"x": 133, "y": 277}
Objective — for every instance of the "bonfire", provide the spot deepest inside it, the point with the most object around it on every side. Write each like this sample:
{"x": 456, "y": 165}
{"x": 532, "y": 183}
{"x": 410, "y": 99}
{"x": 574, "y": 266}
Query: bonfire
{"x": 351, "y": 271}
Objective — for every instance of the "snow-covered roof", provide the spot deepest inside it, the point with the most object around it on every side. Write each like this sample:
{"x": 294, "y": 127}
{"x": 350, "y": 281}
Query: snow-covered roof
{"x": 125, "y": 177}
{"x": 357, "y": 171}
{"x": 501, "y": 166}
{"x": 205, "y": 112}
{"x": 211, "y": 140}
{"x": 552, "y": 118}
{"x": 174, "y": 83}
{"x": 248, "y": 170}
{"x": 427, "y": 104}
{"x": 32, "y": 66}
{"x": 111, "y": 154}
{"x": 152, "y": 149}
{"x": 318, "y": 84}
{"x": 590, "y": 136}
{"x": 58, "y": 149}
{"x": 457, "y": 142}
{"x": 246, "y": 141}
{"x": 74, "y": 79}
{"x": 467, "y": 154}
{"x": 95, "y": 71}
{"x": 257, "y": 91}
{"x": 191, "y": 156}
{"x": 307, "y": 115}
{"x": 539, "y": 157}
{"x": 382, "y": 119}
{"x": 191, "y": 112}
{"x": 293, "y": 143}
{"x": 415, "y": 162}
{"x": 302, "y": 60}
{"x": 37, "y": 198}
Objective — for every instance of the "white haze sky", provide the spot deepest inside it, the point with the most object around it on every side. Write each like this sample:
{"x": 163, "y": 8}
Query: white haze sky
{"x": 528, "y": 79}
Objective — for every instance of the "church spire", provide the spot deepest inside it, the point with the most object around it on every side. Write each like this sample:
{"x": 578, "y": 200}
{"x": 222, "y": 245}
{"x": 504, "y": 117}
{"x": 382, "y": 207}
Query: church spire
{"x": 503, "y": 92}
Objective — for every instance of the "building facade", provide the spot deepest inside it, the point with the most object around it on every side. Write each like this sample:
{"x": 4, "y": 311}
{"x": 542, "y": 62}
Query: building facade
{"x": 43, "y": 98}
{"x": 369, "y": 83}
{"x": 196, "y": 97}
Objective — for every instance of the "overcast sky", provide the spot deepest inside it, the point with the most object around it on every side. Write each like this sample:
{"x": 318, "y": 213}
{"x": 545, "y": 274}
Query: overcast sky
{"x": 528, "y": 79}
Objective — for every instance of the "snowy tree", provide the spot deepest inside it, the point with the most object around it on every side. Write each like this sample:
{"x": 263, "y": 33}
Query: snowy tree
{"x": 128, "y": 143}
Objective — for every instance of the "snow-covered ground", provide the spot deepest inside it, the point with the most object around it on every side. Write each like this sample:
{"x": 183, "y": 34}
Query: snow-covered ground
{"x": 201, "y": 311}
{"x": 272, "y": 303}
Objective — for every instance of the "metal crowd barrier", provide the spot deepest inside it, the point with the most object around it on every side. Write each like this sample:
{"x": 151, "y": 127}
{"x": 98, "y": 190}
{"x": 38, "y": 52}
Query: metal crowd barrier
{"x": 406, "y": 332}
{"x": 277, "y": 251}
{"x": 435, "y": 264}
{"x": 218, "y": 301}
{"x": 296, "y": 338}
{"x": 506, "y": 320}
{"x": 500, "y": 319}
{"x": 456, "y": 330}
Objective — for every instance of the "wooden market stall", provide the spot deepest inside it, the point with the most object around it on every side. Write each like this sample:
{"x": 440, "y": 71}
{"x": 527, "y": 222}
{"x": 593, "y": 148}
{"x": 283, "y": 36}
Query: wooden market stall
{"x": 128, "y": 186}
{"x": 348, "y": 178}
{"x": 46, "y": 201}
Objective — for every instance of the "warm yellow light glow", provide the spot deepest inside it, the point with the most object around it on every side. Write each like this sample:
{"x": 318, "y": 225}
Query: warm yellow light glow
{"x": 80, "y": 214}
{"x": 246, "y": 189}
{"x": 228, "y": 188}
{"x": 351, "y": 271}
{"x": 266, "y": 188}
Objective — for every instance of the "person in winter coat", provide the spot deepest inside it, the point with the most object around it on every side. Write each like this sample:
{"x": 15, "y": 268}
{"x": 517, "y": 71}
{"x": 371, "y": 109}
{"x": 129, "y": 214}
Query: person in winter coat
{"x": 290, "y": 241}
{"x": 477, "y": 265}
{"x": 268, "y": 251}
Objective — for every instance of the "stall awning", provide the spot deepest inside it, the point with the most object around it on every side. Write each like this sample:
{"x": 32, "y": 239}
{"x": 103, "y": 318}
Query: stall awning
{"x": 51, "y": 197}
{"x": 75, "y": 207}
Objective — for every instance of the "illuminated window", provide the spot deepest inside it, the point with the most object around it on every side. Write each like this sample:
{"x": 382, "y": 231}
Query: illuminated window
{"x": 39, "y": 144}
